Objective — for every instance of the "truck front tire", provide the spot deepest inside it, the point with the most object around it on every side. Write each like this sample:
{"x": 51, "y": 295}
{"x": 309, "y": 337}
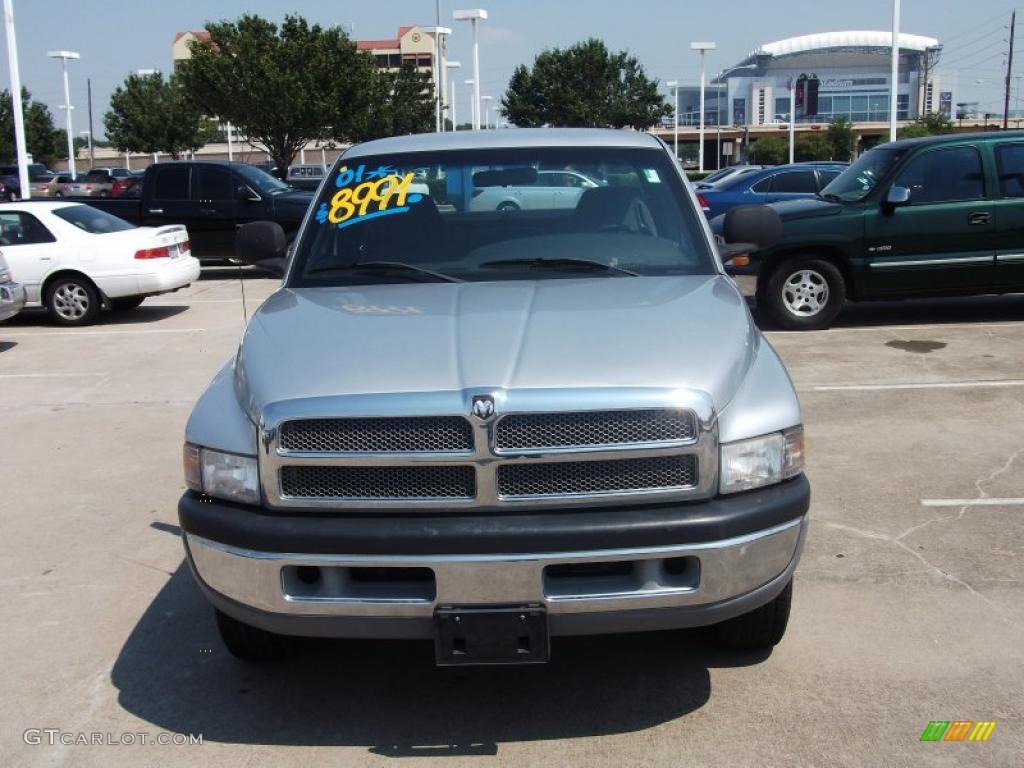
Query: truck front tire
{"x": 804, "y": 293}
{"x": 249, "y": 643}
{"x": 762, "y": 628}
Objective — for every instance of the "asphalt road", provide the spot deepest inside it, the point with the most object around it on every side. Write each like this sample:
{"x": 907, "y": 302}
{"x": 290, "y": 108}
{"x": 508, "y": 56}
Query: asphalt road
{"x": 907, "y": 608}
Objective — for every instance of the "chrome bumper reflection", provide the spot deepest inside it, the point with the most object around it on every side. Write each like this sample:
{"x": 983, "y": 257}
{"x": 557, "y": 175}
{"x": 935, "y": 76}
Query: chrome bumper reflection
{"x": 565, "y": 582}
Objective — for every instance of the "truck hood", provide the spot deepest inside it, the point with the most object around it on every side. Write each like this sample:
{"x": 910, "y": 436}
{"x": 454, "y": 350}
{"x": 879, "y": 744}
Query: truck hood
{"x": 679, "y": 332}
{"x": 806, "y": 208}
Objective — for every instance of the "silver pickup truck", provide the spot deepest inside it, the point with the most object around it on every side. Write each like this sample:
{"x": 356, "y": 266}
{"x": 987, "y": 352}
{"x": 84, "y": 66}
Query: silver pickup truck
{"x": 488, "y": 428}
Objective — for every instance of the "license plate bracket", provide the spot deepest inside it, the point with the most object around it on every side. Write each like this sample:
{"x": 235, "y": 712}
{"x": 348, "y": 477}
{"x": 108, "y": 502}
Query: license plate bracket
{"x": 511, "y": 634}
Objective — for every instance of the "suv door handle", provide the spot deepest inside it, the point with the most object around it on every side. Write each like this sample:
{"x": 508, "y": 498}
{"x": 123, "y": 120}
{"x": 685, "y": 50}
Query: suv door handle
{"x": 979, "y": 217}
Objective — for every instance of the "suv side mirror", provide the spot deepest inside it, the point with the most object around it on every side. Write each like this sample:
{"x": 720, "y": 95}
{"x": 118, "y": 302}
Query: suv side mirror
{"x": 749, "y": 228}
{"x": 897, "y": 197}
{"x": 247, "y": 194}
{"x": 262, "y": 244}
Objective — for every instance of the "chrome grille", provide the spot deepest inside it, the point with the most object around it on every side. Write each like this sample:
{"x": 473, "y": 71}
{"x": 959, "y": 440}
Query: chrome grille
{"x": 532, "y": 479}
{"x": 378, "y": 483}
{"x": 441, "y": 434}
{"x": 593, "y": 428}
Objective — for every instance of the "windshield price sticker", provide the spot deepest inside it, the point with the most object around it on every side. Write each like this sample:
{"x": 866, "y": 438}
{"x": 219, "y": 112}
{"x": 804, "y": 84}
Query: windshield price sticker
{"x": 363, "y": 195}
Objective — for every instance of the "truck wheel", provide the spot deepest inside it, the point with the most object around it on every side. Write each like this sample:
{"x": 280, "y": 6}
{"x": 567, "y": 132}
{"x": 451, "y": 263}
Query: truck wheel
{"x": 507, "y": 207}
{"x": 805, "y": 293}
{"x": 126, "y": 302}
{"x": 762, "y": 628}
{"x": 72, "y": 300}
{"x": 249, "y": 643}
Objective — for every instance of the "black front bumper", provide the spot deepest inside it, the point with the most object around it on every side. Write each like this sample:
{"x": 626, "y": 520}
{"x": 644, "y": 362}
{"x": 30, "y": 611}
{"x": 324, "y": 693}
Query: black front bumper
{"x": 264, "y": 530}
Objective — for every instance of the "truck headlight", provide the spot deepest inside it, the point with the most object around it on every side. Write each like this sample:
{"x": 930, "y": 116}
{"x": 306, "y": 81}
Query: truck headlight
{"x": 761, "y": 461}
{"x": 224, "y": 475}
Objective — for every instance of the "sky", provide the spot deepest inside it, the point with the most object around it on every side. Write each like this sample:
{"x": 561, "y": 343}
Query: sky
{"x": 117, "y": 37}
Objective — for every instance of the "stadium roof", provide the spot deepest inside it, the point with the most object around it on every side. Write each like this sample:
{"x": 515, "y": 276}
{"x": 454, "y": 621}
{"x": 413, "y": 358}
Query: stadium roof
{"x": 848, "y": 39}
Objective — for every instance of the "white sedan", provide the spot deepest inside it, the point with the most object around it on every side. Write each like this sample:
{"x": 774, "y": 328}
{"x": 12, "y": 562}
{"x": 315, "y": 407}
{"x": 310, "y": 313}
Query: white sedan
{"x": 74, "y": 259}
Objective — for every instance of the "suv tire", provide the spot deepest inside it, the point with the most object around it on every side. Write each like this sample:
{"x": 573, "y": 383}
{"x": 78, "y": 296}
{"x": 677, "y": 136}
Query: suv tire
{"x": 249, "y": 643}
{"x": 804, "y": 293}
{"x": 762, "y": 628}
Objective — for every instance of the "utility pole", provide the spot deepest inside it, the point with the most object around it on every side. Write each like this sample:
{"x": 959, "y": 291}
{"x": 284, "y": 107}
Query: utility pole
{"x": 1009, "y": 72}
{"x": 92, "y": 154}
{"x": 19, "y": 120}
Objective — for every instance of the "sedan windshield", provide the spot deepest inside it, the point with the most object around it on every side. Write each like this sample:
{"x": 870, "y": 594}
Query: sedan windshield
{"x": 502, "y": 214}
{"x": 857, "y": 181}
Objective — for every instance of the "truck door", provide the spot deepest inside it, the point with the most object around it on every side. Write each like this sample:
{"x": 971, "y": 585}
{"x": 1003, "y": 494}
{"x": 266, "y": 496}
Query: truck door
{"x": 166, "y": 197}
{"x": 1009, "y": 209}
{"x": 213, "y": 234}
{"x": 944, "y": 241}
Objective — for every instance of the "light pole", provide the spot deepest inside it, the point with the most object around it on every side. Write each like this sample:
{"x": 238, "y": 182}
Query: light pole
{"x": 88, "y": 136}
{"x": 674, "y": 85}
{"x": 438, "y": 34}
{"x": 487, "y": 114}
{"x": 472, "y": 107}
{"x": 703, "y": 48}
{"x": 453, "y": 65}
{"x": 792, "y": 119}
{"x": 64, "y": 56}
{"x": 474, "y": 15}
{"x": 19, "y": 119}
{"x": 894, "y": 74}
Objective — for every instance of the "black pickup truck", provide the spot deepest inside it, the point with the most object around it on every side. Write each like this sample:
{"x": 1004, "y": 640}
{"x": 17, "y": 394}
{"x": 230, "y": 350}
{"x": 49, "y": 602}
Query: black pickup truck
{"x": 212, "y": 199}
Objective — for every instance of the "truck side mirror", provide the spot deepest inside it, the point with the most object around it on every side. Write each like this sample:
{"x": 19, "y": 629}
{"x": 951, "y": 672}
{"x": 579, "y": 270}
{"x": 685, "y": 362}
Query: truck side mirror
{"x": 897, "y": 197}
{"x": 262, "y": 244}
{"x": 749, "y": 228}
{"x": 246, "y": 194}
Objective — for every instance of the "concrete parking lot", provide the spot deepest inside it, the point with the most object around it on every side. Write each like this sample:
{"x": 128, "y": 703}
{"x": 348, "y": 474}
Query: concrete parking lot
{"x": 908, "y": 604}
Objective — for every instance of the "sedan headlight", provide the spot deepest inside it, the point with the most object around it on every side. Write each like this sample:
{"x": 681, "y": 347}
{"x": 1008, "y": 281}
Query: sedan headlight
{"x": 224, "y": 475}
{"x": 761, "y": 461}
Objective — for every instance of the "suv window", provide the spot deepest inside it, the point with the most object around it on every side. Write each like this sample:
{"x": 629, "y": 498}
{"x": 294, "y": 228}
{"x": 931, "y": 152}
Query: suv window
{"x": 214, "y": 183}
{"x": 1010, "y": 162}
{"x": 172, "y": 183}
{"x": 944, "y": 175}
{"x": 795, "y": 181}
{"x": 23, "y": 229}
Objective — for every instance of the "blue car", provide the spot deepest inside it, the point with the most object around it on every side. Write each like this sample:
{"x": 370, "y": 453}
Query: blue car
{"x": 769, "y": 185}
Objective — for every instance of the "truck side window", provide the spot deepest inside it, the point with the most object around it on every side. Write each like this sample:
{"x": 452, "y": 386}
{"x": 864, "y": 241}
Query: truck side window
{"x": 214, "y": 184}
{"x": 944, "y": 175}
{"x": 172, "y": 183}
{"x": 1010, "y": 161}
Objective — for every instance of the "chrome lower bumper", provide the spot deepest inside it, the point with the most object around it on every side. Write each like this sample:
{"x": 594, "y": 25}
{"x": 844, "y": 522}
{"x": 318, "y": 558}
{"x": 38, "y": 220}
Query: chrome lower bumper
{"x": 567, "y": 584}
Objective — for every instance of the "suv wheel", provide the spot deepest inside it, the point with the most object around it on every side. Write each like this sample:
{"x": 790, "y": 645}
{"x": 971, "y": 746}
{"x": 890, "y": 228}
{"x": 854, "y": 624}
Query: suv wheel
{"x": 762, "y": 628}
{"x": 72, "y": 300}
{"x": 249, "y": 643}
{"x": 805, "y": 293}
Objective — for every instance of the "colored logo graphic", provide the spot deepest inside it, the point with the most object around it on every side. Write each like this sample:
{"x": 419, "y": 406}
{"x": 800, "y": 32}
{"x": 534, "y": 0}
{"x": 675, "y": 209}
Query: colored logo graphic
{"x": 958, "y": 730}
{"x": 364, "y": 195}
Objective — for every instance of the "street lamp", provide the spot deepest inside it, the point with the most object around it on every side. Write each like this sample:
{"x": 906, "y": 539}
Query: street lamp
{"x": 674, "y": 85}
{"x": 474, "y": 15}
{"x": 703, "y": 48}
{"x": 438, "y": 33}
{"x": 487, "y": 117}
{"x": 88, "y": 135}
{"x": 19, "y": 122}
{"x": 453, "y": 65}
{"x": 894, "y": 74}
{"x": 473, "y": 114}
{"x": 64, "y": 56}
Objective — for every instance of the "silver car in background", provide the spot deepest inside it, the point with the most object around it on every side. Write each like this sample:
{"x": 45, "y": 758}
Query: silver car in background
{"x": 12, "y": 294}
{"x": 530, "y": 190}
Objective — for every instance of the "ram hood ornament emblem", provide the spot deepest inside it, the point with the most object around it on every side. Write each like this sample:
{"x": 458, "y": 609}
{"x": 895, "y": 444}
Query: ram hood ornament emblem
{"x": 483, "y": 407}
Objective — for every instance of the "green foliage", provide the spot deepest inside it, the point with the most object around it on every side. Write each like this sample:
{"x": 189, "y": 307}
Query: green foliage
{"x": 811, "y": 146}
{"x": 286, "y": 85}
{"x": 41, "y": 138}
{"x": 148, "y": 114}
{"x": 409, "y": 105}
{"x": 584, "y": 85}
{"x": 769, "y": 150}
{"x": 842, "y": 137}
{"x": 931, "y": 124}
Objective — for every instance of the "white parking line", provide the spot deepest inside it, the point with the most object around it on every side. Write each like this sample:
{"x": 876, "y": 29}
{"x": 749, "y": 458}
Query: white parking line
{"x": 920, "y": 327}
{"x": 922, "y": 385}
{"x": 47, "y": 375}
{"x": 103, "y": 333}
{"x": 972, "y": 502}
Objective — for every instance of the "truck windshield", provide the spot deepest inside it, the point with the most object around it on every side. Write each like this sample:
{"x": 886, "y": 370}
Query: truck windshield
{"x": 857, "y": 181}
{"x": 501, "y": 214}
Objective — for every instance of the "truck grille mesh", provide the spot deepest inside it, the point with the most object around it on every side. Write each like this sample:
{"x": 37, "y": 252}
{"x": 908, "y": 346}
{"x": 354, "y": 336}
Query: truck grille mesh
{"x": 592, "y": 428}
{"x": 426, "y": 434}
{"x": 617, "y": 475}
{"x": 312, "y": 482}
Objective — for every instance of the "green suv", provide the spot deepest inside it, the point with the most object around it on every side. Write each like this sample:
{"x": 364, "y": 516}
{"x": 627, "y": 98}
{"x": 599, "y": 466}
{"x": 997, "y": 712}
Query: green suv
{"x": 938, "y": 216}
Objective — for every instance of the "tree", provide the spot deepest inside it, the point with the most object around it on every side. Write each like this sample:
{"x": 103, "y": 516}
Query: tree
{"x": 769, "y": 150}
{"x": 931, "y": 124}
{"x": 40, "y": 135}
{"x": 285, "y": 86}
{"x": 148, "y": 114}
{"x": 811, "y": 146}
{"x": 842, "y": 137}
{"x": 584, "y": 86}
{"x": 408, "y": 104}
